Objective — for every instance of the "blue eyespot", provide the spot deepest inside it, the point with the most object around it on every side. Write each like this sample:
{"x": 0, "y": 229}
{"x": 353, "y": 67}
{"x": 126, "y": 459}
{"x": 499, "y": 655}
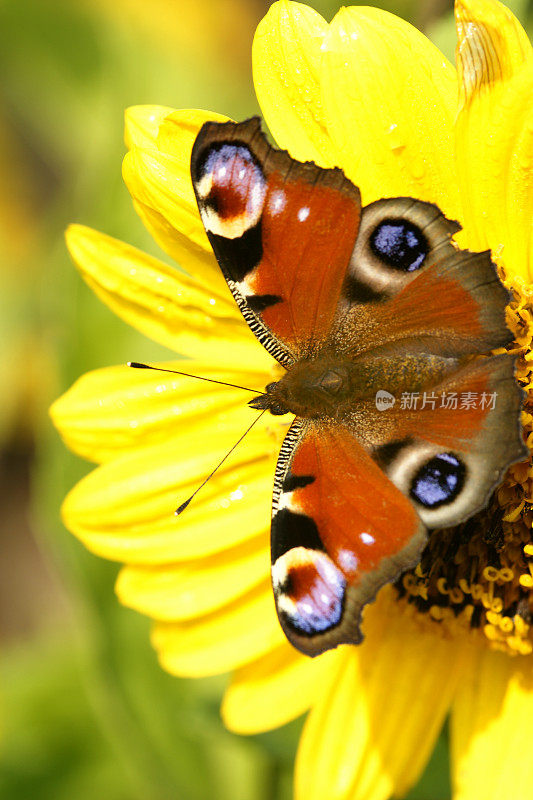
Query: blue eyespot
{"x": 320, "y": 607}
{"x": 439, "y": 481}
{"x": 309, "y": 590}
{"x": 219, "y": 159}
{"x": 400, "y": 244}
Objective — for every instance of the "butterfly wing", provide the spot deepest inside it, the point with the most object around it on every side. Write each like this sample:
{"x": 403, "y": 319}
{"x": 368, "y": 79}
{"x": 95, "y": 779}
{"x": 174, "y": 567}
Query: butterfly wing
{"x": 409, "y": 287}
{"x": 282, "y": 231}
{"x": 348, "y": 518}
{"x": 340, "y": 530}
{"x": 448, "y": 448}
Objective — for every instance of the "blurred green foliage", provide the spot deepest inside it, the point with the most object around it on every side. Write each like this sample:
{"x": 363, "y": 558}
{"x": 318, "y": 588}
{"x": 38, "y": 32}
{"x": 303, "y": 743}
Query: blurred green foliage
{"x": 86, "y": 710}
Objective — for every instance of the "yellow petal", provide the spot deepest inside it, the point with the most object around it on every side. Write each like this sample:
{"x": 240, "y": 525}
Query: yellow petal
{"x": 381, "y": 710}
{"x": 141, "y": 124}
{"x": 163, "y": 183}
{"x": 158, "y": 177}
{"x": 491, "y": 731}
{"x": 222, "y": 641}
{"x": 167, "y": 135}
{"x": 518, "y": 259}
{"x": 180, "y": 592}
{"x": 179, "y": 129}
{"x": 495, "y": 133}
{"x": 286, "y": 60}
{"x": 275, "y": 689}
{"x": 390, "y": 101}
{"x": 191, "y": 257}
{"x": 124, "y": 510}
{"x": 111, "y": 411}
{"x": 491, "y": 46}
{"x": 162, "y": 302}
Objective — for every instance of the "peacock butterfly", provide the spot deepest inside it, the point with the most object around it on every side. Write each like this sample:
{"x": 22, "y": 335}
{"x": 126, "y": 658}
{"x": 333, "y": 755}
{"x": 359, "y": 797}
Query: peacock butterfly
{"x": 381, "y": 323}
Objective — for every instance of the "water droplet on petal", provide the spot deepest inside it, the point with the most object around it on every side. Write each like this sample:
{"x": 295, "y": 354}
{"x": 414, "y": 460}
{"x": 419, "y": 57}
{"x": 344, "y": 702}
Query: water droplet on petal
{"x": 394, "y": 137}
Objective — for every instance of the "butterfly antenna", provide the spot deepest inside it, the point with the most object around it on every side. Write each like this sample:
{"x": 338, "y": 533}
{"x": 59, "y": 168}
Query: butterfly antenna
{"x": 246, "y": 432}
{"x": 137, "y": 365}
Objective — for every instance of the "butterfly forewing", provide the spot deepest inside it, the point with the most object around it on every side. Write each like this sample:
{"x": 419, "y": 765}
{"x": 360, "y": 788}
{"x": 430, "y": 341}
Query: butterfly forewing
{"x": 283, "y": 233}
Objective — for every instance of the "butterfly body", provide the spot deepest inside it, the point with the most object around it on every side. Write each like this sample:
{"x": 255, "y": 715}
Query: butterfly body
{"x": 383, "y": 326}
{"x": 332, "y": 386}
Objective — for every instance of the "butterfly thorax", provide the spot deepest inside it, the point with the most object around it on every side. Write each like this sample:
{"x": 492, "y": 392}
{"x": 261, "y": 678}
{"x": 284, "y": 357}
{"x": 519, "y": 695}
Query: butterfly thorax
{"x": 330, "y": 385}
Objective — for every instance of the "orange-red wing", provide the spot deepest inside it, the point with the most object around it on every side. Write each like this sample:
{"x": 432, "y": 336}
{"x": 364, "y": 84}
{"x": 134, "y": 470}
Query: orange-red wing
{"x": 448, "y": 448}
{"x": 282, "y": 231}
{"x": 340, "y": 531}
{"x": 475, "y": 410}
{"x": 455, "y": 306}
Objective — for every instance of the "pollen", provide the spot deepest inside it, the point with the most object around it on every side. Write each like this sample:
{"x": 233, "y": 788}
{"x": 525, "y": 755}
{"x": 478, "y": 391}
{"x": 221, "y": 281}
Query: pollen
{"x": 478, "y": 576}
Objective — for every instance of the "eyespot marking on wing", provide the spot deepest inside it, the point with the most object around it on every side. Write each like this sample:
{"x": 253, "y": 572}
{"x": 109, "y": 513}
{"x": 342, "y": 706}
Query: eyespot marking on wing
{"x": 439, "y": 481}
{"x": 310, "y": 590}
{"x": 400, "y": 244}
{"x": 231, "y": 189}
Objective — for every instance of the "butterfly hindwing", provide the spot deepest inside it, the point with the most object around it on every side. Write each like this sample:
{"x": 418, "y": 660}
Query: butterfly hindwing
{"x": 340, "y": 530}
{"x": 282, "y": 231}
{"x": 448, "y": 448}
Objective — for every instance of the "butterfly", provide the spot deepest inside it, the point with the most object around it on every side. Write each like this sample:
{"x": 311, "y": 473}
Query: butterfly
{"x": 402, "y": 424}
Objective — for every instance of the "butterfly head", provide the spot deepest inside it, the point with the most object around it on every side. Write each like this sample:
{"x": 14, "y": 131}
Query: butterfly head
{"x": 270, "y": 401}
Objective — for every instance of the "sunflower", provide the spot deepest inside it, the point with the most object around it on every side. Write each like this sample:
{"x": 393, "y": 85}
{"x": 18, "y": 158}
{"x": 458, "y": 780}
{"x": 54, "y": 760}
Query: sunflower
{"x": 371, "y": 94}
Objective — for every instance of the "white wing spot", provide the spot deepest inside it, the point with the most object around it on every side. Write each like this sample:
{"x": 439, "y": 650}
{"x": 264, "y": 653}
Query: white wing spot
{"x": 303, "y": 213}
{"x": 277, "y": 202}
{"x": 347, "y": 560}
